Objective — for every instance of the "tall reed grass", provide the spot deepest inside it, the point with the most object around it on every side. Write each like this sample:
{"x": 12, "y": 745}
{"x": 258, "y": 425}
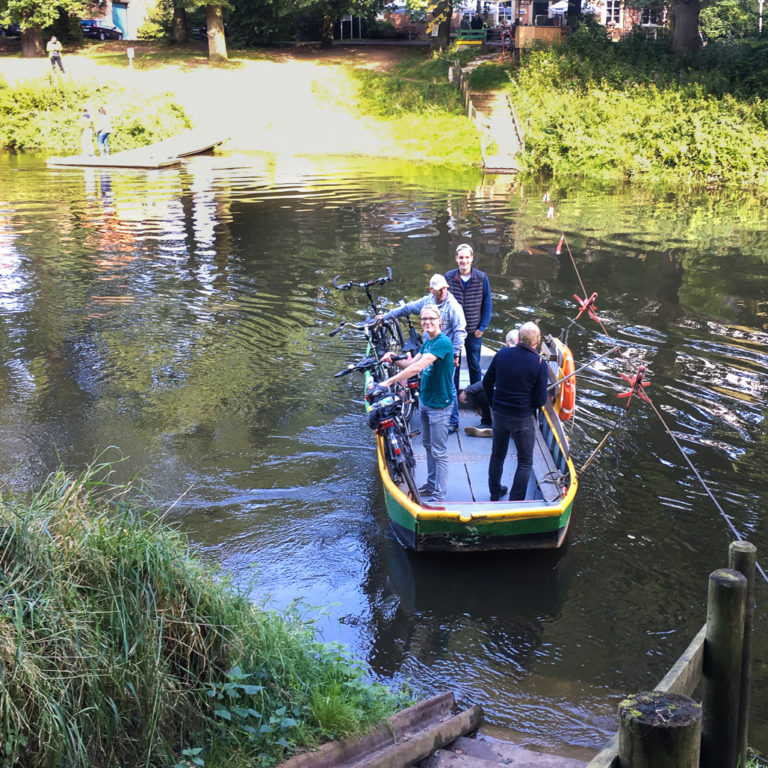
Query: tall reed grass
{"x": 118, "y": 647}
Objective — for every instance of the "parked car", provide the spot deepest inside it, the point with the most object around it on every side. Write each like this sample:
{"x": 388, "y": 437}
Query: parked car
{"x": 11, "y": 30}
{"x": 101, "y": 30}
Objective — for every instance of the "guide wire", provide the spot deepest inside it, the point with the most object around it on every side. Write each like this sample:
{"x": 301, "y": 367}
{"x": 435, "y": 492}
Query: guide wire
{"x": 637, "y": 387}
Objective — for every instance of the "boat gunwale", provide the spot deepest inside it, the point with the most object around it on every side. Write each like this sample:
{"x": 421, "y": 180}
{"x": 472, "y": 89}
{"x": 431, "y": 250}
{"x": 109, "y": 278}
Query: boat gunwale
{"x": 554, "y": 509}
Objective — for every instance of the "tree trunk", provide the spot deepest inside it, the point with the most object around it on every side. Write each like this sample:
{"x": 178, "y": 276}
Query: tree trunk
{"x": 574, "y": 14}
{"x": 442, "y": 18}
{"x": 217, "y": 43}
{"x": 180, "y": 34}
{"x": 326, "y": 32}
{"x": 685, "y": 27}
{"x": 32, "y": 43}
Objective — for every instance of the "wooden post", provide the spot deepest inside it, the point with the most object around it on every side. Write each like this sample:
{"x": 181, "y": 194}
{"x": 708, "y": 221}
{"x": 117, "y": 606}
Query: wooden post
{"x": 722, "y": 668}
{"x": 659, "y": 730}
{"x": 742, "y": 557}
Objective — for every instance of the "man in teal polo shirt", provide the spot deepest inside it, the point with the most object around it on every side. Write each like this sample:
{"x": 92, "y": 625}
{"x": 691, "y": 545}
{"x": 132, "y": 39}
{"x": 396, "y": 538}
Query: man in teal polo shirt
{"x": 435, "y": 364}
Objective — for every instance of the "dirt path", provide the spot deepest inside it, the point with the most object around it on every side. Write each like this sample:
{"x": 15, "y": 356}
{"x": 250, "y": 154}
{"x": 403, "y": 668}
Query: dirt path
{"x": 300, "y": 101}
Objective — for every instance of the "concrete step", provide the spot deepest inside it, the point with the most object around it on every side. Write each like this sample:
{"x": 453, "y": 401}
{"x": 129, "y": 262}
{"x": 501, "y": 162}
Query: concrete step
{"x": 486, "y": 752}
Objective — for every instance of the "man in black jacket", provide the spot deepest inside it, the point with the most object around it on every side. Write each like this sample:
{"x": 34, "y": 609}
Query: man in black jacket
{"x": 516, "y": 386}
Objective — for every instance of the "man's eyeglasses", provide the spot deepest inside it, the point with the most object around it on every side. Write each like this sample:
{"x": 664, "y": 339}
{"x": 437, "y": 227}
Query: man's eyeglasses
{"x": 429, "y": 319}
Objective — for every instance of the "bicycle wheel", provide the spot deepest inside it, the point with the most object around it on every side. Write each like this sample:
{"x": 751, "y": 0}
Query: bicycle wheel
{"x": 406, "y": 448}
{"x": 411, "y": 483}
{"x": 389, "y": 338}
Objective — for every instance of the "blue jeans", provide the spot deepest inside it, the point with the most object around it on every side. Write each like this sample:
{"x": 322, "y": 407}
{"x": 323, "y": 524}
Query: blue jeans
{"x": 523, "y": 433}
{"x": 434, "y": 436}
{"x": 472, "y": 345}
{"x": 454, "y": 420}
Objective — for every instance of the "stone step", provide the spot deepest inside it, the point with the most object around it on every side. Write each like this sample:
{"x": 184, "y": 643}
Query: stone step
{"x": 486, "y": 752}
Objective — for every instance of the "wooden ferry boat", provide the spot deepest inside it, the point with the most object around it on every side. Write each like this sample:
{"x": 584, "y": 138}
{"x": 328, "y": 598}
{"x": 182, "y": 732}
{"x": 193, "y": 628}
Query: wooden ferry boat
{"x": 468, "y": 520}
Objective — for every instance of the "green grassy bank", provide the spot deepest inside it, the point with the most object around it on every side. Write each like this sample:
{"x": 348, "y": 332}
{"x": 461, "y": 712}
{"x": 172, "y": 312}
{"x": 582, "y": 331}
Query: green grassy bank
{"x": 44, "y": 114}
{"x": 117, "y": 647}
{"x": 628, "y": 110}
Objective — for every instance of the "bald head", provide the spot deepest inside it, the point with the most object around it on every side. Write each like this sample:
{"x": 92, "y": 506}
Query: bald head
{"x": 530, "y": 334}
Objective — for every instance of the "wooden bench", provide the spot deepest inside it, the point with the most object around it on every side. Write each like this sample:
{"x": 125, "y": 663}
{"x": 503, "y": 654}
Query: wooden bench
{"x": 470, "y": 36}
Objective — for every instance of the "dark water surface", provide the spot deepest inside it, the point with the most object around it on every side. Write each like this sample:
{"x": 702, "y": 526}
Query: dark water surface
{"x": 182, "y": 316}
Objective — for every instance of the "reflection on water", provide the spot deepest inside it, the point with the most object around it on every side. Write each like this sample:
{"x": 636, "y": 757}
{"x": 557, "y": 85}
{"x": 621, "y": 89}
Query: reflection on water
{"x": 182, "y": 316}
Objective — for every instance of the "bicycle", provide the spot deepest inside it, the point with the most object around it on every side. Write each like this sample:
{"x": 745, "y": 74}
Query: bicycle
{"x": 387, "y": 419}
{"x": 383, "y": 335}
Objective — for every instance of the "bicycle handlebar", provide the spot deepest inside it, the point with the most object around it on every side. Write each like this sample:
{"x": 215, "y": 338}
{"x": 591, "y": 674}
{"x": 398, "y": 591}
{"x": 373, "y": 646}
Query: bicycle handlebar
{"x": 368, "y": 284}
{"x": 366, "y": 364}
{"x": 367, "y": 323}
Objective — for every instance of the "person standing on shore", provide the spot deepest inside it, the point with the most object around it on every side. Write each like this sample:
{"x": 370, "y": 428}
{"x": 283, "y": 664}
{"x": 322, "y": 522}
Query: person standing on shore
{"x": 86, "y": 132}
{"x": 103, "y": 129}
{"x": 516, "y": 387}
{"x": 54, "y": 52}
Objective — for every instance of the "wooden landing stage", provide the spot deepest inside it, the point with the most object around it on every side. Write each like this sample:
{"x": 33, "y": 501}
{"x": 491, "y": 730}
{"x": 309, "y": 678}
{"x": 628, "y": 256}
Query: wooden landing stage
{"x": 160, "y": 155}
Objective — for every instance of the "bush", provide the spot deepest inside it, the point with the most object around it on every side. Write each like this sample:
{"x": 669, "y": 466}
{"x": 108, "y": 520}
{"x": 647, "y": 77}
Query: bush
{"x": 159, "y": 22}
{"x": 45, "y": 114}
{"x": 118, "y": 647}
{"x": 384, "y": 30}
{"x": 629, "y": 110}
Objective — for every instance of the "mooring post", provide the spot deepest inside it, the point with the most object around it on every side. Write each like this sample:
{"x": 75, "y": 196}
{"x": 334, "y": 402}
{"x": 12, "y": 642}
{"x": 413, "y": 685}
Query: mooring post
{"x": 742, "y": 557}
{"x": 723, "y": 649}
{"x": 659, "y": 730}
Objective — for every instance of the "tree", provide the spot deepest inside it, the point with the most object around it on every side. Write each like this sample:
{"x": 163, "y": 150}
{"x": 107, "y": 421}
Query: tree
{"x": 33, "y": 15}
{"x": 217, "y": 42}
{"x": 179, "y": 25}
{"x": 729, "y": 18}
{"x": 214, "y": 22}
{"x": 574, "y": 14}
{"x": 685, "y": 27}
{"x": 442, "y": 10}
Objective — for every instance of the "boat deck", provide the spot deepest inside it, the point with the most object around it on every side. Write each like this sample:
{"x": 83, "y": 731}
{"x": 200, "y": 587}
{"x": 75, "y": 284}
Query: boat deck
{"x": 468, "y": 459}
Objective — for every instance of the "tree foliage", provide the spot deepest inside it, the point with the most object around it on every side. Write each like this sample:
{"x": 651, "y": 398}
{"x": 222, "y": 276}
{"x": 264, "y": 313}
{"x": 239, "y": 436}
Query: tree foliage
{"x": 34, "y": 15}
{"x": 729, "y": 19}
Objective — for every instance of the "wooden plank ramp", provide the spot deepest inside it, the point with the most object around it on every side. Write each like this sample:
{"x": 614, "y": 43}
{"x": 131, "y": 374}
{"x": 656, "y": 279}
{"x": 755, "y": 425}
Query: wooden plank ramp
{"x": 162, "y": 154}
{"x": 486, "y": 752}
{"x": 404, "y": 739}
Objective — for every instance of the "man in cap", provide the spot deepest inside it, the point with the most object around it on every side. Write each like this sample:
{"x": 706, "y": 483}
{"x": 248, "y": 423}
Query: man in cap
{"x": 452, "y": 321}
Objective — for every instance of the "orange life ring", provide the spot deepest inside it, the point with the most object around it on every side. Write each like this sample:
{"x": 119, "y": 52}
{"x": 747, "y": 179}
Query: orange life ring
{"x": 566, "y": 398}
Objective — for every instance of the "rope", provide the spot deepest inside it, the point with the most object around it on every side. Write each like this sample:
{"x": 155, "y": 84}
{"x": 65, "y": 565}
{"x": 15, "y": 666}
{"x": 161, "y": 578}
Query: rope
{"x": 637, "y": 388}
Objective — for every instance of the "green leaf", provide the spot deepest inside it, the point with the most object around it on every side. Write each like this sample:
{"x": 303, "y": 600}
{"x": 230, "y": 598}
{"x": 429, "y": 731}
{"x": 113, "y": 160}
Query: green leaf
{"x": 224, "y": 713}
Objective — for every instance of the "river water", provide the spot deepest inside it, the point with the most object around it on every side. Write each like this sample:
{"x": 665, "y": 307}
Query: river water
{"x": 178, "y": 320}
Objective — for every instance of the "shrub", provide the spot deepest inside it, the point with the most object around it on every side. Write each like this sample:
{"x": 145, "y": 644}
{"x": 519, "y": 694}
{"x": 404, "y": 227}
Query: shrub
{"x": 159, "y": 22}
{"x": 384, "y": 30}
{"x": 45, "y": 114}
{"x": 118, "y": 647}
{"x": 629, "y": 110}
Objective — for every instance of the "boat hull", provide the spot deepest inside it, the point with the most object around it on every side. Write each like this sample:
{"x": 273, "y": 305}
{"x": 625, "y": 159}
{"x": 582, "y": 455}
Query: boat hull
{"x": 482, "y": 525}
